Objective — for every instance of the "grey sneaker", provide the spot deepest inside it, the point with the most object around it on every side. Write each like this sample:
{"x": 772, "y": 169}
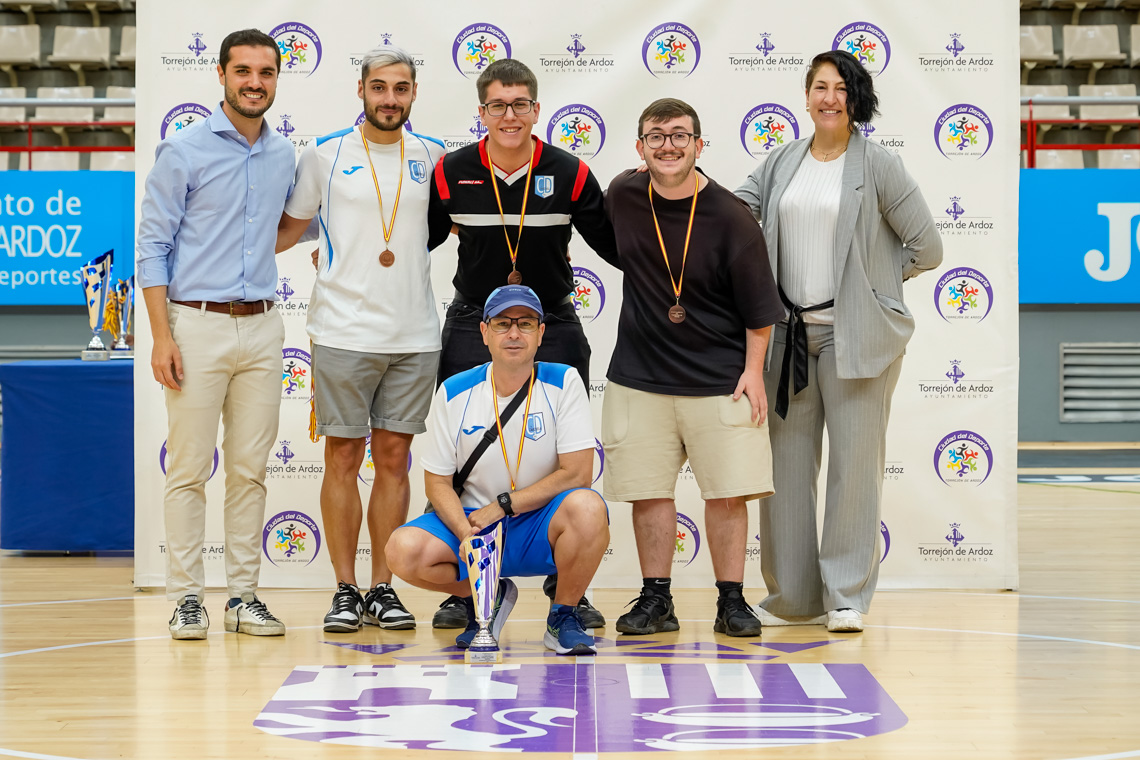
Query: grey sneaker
{"x": 252, "y": 617}
{"x": 345, "y": 615}
{"x": 190, "y": 620}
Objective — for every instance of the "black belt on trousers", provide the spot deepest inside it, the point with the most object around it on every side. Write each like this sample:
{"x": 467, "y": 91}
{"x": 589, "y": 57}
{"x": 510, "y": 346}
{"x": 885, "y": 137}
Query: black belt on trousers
{"x": 795, "y": 342}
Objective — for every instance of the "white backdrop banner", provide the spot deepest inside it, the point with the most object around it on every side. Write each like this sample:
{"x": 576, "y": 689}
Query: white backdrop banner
{"x": 947, "y": 79}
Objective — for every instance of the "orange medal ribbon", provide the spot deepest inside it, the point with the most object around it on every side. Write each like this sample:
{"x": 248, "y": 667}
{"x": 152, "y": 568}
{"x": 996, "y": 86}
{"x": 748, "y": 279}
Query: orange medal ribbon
{"x": 387, "y": 258}
{"x": 676, "y": 312}
{"x": 513, "y": 250}
{"x": 499, "y": 425}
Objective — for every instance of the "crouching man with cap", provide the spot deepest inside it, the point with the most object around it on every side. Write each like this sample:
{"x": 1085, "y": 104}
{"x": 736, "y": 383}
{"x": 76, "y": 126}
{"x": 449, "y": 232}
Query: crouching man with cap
{"x": 534, "y": 476}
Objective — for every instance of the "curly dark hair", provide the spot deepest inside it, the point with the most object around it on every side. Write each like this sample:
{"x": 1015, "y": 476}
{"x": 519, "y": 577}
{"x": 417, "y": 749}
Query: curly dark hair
{"x": 862, "y": 102}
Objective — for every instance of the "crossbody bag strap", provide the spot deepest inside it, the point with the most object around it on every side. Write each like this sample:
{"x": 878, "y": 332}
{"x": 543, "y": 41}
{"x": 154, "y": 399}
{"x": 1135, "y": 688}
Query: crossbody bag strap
{"x": 489, "y": 437}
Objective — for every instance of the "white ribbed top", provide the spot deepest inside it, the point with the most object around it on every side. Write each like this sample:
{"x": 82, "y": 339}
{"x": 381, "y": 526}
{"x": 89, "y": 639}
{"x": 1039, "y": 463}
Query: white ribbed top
{"x": 809, "y": 211}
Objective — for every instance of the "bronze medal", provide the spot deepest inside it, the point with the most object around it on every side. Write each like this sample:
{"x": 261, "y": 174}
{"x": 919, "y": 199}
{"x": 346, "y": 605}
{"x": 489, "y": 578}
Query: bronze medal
{"x": 677, "y": 314}
{"x": 515, "y": 277}
{"x": 387, "y": 258}
{"x": 676, "y": 311}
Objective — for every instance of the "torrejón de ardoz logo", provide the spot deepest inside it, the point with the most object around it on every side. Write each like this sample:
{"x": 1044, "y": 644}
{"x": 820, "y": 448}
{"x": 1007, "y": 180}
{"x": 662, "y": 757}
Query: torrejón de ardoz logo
{"x": 472, "y": 132}
{"x": 956, "y": 548}
{"x": 885, "y": 133}
{"x": 957, "y": 56}
{"x": 580, "y": 56}
{"x": 294, "y": 461}
{"x": 765, "y": 53}
{"x": 628, "y": 707}
{"x": 289, "y": 302}
{"x": 188, "y": 54}
{"x": 956, "y": 384}
{"x": 356, "y": 60}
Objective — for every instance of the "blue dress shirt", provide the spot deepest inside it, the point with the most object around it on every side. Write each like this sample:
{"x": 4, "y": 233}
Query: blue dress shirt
{"x": 209, "y": 218}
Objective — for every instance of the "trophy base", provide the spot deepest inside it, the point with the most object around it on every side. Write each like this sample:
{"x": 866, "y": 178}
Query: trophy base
{"x": 483, "y": 656}
{"x": 93, "y": 355}
{"x": 122, "y": 353}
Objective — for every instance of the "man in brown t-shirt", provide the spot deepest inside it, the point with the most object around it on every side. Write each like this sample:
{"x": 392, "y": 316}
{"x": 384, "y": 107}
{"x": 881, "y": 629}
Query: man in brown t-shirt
{"x": 686, "y": 377}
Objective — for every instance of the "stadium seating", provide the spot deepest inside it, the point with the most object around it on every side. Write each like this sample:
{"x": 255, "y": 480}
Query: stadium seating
{"x": 19, "y": 46}
{"x": 77, "y": 47}
{"x": 12, "y": 113}
{"x": 1118, "y": 159}
{"x": 126, "y": 56}
{"x": 1093, "y": 46}
{"x": 1110, "y": 111}
{"x": 1036, "y": 49}
{"x": 29, "y": 7}
{"x": 1059, "y": 159}
{"x": 113, "y": 161}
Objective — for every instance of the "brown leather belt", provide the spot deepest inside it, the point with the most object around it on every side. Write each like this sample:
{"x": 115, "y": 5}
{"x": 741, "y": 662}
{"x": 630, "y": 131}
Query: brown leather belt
{"x": 233, "y": 308}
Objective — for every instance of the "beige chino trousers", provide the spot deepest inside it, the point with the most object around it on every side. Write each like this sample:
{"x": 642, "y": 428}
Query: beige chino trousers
{"x": 232, "y": 373}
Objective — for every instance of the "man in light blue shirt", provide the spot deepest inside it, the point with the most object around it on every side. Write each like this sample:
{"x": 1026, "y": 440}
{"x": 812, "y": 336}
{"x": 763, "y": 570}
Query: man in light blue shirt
{"x": 205, "y": 264}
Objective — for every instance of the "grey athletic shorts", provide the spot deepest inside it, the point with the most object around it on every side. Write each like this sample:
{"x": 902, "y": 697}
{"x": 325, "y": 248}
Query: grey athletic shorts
{"x": 355, "y": 392}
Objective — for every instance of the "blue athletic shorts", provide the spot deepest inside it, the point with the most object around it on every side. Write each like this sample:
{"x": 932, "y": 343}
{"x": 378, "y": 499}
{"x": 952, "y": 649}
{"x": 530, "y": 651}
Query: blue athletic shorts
{"x": 525, "y": 539}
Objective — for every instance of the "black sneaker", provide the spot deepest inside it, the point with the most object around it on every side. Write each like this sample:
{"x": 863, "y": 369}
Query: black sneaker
{"x": 452, "y": 613}
{"x": 734, "y": 617}
{"x": 347, "y": 609}
{"x": 383, "y": 608}
{"x": 589, "y": 614}
{"x": 651, "y": 613}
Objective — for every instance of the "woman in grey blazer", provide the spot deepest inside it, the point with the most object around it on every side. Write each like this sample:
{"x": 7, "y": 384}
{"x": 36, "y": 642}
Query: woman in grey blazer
{"x": 844, "y": 225}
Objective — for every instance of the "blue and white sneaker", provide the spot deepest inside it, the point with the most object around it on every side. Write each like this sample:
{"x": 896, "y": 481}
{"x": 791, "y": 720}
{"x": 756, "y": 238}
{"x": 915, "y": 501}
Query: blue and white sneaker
{"x": 504, "y": 603}
{"x": 565, "y": 633}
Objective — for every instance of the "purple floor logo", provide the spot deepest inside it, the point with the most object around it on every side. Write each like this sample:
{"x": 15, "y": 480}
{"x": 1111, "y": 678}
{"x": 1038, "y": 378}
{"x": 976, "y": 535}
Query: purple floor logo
{"x": 767, "y": 126}
{"x": 477, "y": 47}
{"x": 589, "y": 294}
{"x": 586, "y": 708}
{"x": 296, "y": 373}
{"x": 299, "y": 46}
{"x": 578, "y": 129}
{"x": 963, "y": 458}
{"x": 164, "y": 460}
{"x": 182, "y": 116}
{"x": 688, "y": 542}
{"x": 671, "y": 49}
{"x": 867, "y": 42}
{"x": 291, "y": 538}
{"x": 963, "y": 131}
{"x": 963, "y": 295}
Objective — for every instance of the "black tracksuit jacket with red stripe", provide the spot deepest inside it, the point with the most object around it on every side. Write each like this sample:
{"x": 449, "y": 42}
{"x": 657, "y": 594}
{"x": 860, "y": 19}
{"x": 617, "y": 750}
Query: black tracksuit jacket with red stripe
{"x": 461, "y": 193}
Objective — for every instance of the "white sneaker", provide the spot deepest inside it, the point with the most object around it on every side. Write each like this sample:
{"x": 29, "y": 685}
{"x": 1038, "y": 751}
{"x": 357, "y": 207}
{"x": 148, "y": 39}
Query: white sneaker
{"x": 768, "y": 619}
{"x": 190, "y": 620}
{"x": 252, "y": 617}
{"x": 844, "y": 621}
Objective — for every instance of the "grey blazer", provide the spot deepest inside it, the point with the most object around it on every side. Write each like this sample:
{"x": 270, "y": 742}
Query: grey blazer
{"x": 885, "y": 234}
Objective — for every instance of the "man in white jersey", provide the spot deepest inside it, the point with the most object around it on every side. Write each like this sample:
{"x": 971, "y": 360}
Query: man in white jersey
{"x": 534, "y": 477}
{"x": 372, "y": 320}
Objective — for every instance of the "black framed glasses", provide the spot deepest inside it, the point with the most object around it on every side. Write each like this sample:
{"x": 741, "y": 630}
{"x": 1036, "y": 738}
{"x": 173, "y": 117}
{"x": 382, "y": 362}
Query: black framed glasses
{"x": 655, "y": 140}
{"x": 520, "y": 107}
{"x": 503, "y": 324}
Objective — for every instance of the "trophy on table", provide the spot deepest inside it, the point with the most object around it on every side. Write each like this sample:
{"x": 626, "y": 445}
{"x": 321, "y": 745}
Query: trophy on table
{"x": 96, "y": 290}
{"x": 123, "y": 323}
{"x": 484, "y": 557}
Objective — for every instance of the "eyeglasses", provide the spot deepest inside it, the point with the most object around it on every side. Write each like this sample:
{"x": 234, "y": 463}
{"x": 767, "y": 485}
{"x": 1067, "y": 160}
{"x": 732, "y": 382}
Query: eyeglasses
{"x": 503, "y": 324}
{"x": 520, "y": 107}
{"x": 655, "y": 140}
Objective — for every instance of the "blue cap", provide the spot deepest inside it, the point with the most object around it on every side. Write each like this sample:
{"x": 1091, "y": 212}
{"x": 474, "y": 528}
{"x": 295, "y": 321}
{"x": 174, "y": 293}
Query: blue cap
{"x": 507, "y": 296}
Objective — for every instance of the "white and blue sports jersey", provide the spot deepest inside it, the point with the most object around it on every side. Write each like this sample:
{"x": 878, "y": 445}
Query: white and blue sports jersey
{"x": 559, "y": 422}
{"x": 357, "y": 304}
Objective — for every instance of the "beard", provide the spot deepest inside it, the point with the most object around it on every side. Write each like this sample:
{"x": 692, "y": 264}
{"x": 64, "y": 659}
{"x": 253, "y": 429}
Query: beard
{"x": 233, "y": 97}
{"x": 386, "y": 123}
{"x": 681, "y": 171}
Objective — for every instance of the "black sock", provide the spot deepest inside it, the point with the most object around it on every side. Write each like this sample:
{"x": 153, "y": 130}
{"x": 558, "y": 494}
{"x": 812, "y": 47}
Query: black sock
{"x": 657, "y": 585}
{"x": 727, "y": 587}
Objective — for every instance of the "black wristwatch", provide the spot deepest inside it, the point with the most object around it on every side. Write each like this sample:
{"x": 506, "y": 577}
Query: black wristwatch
{"x": 505, "y": 504}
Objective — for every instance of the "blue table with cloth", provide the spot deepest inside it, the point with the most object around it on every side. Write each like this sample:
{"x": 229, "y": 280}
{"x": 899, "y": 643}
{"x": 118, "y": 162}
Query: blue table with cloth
{"x": 67, "y": 456}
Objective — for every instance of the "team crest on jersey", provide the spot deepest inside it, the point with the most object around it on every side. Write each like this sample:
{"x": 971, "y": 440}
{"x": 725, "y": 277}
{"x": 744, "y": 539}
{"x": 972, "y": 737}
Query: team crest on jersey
{"x": 544, "y": 185}
{"x": 535, "y": 426}
{"x": 418, "y": 170}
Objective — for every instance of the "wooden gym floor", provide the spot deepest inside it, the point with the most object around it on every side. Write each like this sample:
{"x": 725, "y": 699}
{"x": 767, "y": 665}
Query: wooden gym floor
{"x": 88, "y": 670}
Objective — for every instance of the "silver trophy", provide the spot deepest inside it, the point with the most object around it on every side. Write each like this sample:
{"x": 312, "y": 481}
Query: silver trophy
{"x": 484, "y": 557}
{"x": 96, "y": 290}
{"x": 125, "y": 314}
